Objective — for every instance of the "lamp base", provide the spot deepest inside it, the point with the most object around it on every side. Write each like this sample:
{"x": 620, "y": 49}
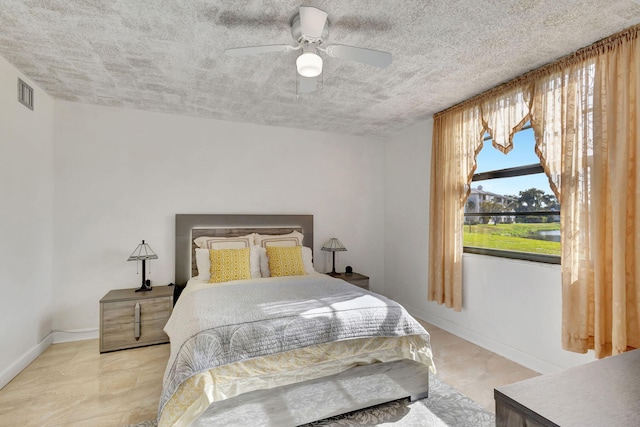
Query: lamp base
{"x": 146, "y": 286}
{"x": 334, "y": 274}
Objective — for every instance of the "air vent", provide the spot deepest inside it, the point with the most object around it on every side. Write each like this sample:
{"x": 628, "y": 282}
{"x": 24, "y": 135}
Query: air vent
{"x": 25, "y": 94}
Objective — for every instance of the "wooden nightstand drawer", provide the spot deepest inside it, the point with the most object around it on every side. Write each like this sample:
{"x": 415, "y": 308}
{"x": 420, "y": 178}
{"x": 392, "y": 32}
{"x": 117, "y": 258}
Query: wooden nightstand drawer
{"x": 119, "y": 336}
{"x": 356, "y": 279}
{"x": 124, "y": 311}
{"x": 133, "y": 319}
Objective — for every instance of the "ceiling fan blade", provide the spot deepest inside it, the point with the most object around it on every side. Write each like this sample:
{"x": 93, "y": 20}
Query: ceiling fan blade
{"x": 312, "y": 21}
{"x": 252, "y": 50}
{"x": 376, "y": 58}
{"x": 307, "y": 84}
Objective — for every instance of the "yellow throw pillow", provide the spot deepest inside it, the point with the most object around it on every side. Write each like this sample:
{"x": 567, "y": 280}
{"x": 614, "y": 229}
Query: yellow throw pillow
{"x": 285, "y": 260}
{"x": 230, "y": 264}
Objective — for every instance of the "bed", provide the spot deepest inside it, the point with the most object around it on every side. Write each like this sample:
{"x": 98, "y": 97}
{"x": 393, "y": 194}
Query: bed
{"x": 282, "y": 344}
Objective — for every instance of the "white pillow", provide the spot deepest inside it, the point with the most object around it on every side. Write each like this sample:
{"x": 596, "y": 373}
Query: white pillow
{"x": 307, "y": 260}
{"x": 240, "y": 242}
{"x": 292, "y": 239}
{"x": 203, "y": 263}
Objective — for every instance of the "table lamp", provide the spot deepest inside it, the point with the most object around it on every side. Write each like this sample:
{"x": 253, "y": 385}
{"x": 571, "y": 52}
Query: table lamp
{"x": 143, "y": 253}
{"x": 333, "y": 246}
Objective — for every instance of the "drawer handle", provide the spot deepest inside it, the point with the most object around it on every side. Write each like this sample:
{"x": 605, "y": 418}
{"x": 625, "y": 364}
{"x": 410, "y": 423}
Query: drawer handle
{"x": 136, "y": 322}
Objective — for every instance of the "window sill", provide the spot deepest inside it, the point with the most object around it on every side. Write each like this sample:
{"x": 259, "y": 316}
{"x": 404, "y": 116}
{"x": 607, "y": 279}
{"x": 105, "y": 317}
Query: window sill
{"x": 525, "y": 256}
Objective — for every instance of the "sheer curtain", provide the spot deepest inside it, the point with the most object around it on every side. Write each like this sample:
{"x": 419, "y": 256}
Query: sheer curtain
{"x": 601, "y": 289}
{"x": 584, "y": 112}
{"x": 586, "y": 123}
{"x": 457, "y": 138}
{"x": 616, "y": 199}
{"x": 563, "y": 118}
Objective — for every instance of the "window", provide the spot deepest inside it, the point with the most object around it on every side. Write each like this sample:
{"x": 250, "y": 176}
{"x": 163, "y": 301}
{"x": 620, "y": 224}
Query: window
{"x": 511, "y": 211}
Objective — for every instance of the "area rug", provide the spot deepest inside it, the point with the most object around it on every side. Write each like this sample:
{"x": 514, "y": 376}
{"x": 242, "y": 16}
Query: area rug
{"x": 445, "y": 407}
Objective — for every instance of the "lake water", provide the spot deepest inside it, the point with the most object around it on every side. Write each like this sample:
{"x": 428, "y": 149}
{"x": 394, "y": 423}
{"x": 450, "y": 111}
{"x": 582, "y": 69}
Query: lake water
{"x": 550, "y": 235}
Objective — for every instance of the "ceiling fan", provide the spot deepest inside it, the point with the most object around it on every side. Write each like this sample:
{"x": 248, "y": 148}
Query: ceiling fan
{"x": 310, "y": 28}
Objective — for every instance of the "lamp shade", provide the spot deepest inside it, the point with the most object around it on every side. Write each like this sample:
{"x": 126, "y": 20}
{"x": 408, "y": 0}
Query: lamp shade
{"x": 142, "y": 252}
{"x": 309, "y": 64}
{"x": 333, "y": 245}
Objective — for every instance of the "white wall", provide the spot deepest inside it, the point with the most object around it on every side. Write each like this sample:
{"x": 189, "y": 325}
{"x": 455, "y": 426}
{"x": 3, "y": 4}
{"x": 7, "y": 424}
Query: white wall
{"x": 510, "y": 307}
{"x": 26, "y": 228}
{"x": 121, "y": 176}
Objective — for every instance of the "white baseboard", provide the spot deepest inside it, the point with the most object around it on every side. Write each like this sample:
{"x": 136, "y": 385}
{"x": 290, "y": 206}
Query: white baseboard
{"x": 24, "y": 360}
{"x": 54, "y": 337}
{"x": 75, "y": 335}
{"x": 490, "y": 344}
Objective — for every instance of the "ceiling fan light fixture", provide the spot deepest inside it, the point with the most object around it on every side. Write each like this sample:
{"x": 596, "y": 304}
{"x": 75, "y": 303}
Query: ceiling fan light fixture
{"x": 309, "y": 64}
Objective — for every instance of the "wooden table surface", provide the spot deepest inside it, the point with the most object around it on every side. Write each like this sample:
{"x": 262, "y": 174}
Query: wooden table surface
{"x": 601, "y": 393}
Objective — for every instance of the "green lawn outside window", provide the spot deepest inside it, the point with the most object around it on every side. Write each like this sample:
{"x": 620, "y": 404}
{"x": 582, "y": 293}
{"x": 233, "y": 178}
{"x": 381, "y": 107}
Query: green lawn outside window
{"x": 512, "y": 237}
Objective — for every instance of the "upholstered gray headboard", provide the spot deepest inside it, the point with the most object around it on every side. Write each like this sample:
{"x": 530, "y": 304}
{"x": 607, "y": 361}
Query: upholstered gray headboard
{"x": 190, "y": 226}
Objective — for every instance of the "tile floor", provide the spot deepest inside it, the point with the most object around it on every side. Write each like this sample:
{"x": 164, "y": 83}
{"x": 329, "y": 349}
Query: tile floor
{"x": 471, "y": 369}
{"x": 73, "y": 385}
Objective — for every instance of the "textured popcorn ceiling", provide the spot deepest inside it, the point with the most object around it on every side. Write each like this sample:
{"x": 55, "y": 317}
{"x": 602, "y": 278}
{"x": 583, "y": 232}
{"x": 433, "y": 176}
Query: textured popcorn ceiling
{"x": 167, "y": 55}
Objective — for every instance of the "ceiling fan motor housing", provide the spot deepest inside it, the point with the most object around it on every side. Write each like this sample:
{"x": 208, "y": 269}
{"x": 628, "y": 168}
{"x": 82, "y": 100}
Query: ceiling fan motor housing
{"x": 299, "y": 37}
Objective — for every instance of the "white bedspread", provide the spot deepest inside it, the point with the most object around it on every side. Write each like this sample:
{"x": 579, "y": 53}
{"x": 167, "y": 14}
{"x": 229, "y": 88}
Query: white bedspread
{"x": 212, "y": 325}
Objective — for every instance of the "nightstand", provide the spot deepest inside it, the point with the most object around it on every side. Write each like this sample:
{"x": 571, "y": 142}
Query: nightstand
{"x": 355, "y": 279}
{"x": 131, "y": 319}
